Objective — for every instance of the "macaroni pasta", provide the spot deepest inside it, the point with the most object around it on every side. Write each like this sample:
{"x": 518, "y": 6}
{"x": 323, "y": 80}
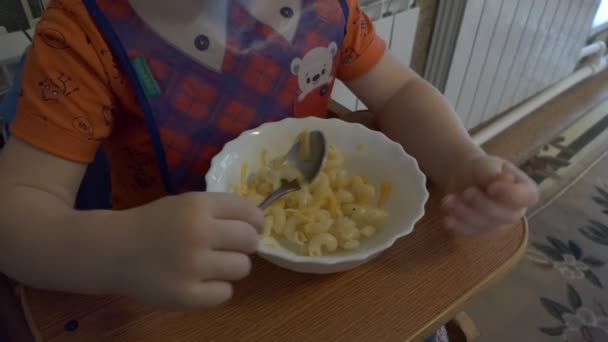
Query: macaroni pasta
{"x": 336, "y": 212}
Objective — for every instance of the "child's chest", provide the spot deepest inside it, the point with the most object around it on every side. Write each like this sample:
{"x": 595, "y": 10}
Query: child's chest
{"x": 266, "y": 59}
{"x": 200, "y": 85}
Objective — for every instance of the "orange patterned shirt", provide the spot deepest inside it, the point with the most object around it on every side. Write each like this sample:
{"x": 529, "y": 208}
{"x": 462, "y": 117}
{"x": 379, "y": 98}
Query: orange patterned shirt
{"x": 75, "y": 98}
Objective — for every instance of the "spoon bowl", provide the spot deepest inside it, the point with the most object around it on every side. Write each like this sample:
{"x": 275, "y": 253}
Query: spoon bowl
{"x": 309, "y": 167}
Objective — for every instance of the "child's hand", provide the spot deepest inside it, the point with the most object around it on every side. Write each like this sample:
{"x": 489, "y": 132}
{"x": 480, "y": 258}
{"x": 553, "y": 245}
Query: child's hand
{"x": 488, "y": 194}
{"x": 185, "y": 251}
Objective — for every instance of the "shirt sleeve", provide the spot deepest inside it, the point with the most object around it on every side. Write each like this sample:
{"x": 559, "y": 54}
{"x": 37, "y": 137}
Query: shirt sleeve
{"x": 362, "y": 48}
{"x": 65, "y": 101}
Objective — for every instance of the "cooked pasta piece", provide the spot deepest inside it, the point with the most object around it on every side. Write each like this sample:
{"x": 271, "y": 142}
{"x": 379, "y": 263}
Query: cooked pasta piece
{"x": 322, "y": 241}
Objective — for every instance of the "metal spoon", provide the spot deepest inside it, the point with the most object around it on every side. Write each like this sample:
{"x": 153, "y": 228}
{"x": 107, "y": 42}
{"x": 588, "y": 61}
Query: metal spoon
{"x": 309, "y": 168}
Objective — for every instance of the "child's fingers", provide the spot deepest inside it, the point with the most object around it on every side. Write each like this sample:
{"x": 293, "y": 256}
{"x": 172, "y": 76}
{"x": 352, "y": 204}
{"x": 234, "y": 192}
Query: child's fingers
{"x": 513, "y": 195}
{"x": 496, "y": 213}
{"x": 231, "y": 207}
{"x": 205, "y": 294}
{"x": 464, "y": 214}
{"x": 520, "y": 176}
{"x": 456, "y": 226}
{"x": 234, "y": 236}
{"x": 506, "y": 176}
{"x": 224, "y": 266}
{"x": 459, "y": 228}
{"x": 474, "y": 213}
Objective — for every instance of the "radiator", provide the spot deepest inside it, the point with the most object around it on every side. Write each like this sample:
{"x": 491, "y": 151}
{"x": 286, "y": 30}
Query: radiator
{"x": 506, "y": 51}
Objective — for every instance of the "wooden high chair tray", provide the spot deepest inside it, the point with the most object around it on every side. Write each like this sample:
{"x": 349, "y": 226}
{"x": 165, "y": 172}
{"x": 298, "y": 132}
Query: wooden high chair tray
{"x": 404, "y": 294}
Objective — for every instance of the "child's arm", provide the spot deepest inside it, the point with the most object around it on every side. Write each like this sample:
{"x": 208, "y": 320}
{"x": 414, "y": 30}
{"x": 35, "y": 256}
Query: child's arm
{"x": 412, "y": 112}
{"x": 43, "y": 242}
{"x": 488, "y": 192}
{"x": 182, "y": 251}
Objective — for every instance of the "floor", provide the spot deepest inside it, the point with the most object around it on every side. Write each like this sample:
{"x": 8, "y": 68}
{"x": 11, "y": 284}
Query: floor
{"x": 525, "y": 138}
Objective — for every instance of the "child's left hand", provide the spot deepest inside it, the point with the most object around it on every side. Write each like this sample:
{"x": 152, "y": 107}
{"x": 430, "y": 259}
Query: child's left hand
{"x": 487, "y": 194}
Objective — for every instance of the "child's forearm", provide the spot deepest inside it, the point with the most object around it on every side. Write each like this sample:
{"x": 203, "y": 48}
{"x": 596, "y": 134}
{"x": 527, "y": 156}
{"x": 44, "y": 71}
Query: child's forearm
{"x": 46, "y": 244}
{"x": 421, "y": 119}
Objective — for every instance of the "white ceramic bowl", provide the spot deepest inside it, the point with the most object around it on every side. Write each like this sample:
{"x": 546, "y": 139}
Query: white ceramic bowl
{"x": 366, "y": 152}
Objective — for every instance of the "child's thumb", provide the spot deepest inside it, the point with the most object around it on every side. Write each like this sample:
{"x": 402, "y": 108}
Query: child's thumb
{"x": 488, "y": 170}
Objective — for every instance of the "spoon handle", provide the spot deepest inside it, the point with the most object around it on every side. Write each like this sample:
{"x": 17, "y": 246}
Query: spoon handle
{"x": 270, "y": 199}
{"x": 285, "y": 189}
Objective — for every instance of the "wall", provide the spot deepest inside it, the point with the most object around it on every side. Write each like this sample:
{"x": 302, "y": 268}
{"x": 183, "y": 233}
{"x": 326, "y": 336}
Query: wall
{"x": 13, "y": 17}
{"x": 426, "y": 23}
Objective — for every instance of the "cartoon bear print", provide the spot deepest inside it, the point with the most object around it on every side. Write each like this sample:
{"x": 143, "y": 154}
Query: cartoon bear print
{"x": 314, "y": 69}
{"x": 53, "y": 89}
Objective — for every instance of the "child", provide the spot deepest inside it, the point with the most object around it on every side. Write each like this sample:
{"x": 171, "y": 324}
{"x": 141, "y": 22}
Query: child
{"x": 162, "y": 85}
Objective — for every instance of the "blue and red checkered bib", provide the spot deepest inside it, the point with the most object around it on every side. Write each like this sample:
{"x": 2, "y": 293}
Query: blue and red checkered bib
{"x": 263, "y": 77}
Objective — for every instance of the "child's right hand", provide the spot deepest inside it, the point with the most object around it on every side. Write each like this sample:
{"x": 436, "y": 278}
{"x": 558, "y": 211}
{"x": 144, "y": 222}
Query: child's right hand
{"x": 184, "y": 251}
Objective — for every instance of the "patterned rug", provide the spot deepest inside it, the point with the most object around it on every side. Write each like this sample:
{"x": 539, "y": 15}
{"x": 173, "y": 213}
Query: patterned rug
{"x": 559, "y": 292}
